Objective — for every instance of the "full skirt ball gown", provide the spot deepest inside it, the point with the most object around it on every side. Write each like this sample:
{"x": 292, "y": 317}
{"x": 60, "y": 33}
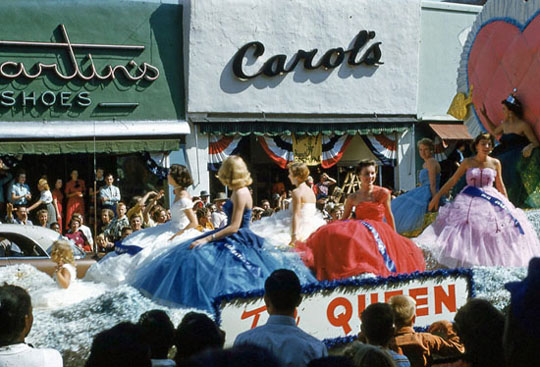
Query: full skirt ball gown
{"x": 348, "y": 248}
{"x": 142, "y": 246}
{"x": 480, "y": 227}
{"x": 410, "y": 208}
{"x": 277, "y": 228}
{"x": 234, "y": 264}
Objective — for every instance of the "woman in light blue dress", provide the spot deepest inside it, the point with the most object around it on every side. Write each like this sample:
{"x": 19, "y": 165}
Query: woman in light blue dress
{"x": 410, "y": 208}
{"x": 229, "y": 260}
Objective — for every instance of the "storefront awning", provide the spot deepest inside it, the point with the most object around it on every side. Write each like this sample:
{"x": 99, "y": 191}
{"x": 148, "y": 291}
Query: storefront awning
{"x": 451, "y": 131}
{"x": 61, "y": 137}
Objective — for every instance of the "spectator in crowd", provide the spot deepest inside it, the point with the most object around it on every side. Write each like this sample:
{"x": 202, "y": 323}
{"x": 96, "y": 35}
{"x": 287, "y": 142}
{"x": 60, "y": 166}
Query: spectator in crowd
{"x": 45, "y": 199}
{"x": 205, "y": 220}
{"x": 124, "y": 345}
{"x": 58, "y": 200}
{"x": 238, "y": 356}
{"x": 331, "y": 361}
{"x": 107, "y": 215}
{"x": 43, "y": 216}
{"x": 20, "y": 211}
{"x": 56, "y": 227}
{"x": 103, "y": 243}
{"x": 336, "y": 212}
{"x": 135, "y": 222}
{"x": 321, "y": 189}
{"x": 205, "y": 197}
{"x": 159, "y": 215}
{"x": 16, "y": 319}
{"x": 5, "y": 177}
{"x": 114, "y": 229}
{"x": 265, "y": 204}
{"x": 522, "y": 332}
{"x": 75, "y": 189}
{"x": 480, "y": 327}
{"x": 19, "y": 193}
{"x": 109, "y": 194}
{"x": 142, "y": 209}
{"x": 421, "y": 348}
{"x": 159, "y": 333}
{"x": 309, "y": 182}
{"x": 77, "y": 236}
{"x": 124, "y": 232}
{"x": 219, "y": 218}
{"x": 100, "y": 182}
{"x": 85, "y": 229}
{"x": 195, "y": 334}
{"x": 281, "y": 335}
{"x": 378, "y": 329}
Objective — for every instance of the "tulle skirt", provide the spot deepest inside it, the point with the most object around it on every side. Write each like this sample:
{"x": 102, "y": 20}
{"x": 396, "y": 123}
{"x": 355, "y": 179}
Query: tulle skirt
{"x": 410, "y": 208}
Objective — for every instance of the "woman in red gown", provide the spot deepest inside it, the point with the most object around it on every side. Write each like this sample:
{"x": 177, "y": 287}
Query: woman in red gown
{"x": 75, "y": 193}
{"x": 347, "y": 248}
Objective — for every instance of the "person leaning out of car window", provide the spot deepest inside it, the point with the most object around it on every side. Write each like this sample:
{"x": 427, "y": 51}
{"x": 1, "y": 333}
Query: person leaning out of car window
{"x": 21, "y": 215}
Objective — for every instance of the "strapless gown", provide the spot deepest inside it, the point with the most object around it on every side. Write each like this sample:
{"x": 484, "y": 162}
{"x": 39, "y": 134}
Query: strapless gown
{"x": 236, "y": 263}
{"x": 521, "y": 175}
{"x": 142, "y": 246}
{"x": 410, "y": 208}
{"x": 473, "y": 231}
{"x": 277, "y": 228}
{"x": 347, "y": 248}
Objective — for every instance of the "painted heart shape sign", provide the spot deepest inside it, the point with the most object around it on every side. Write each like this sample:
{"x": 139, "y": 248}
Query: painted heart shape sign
{"x": 506, "y": 55}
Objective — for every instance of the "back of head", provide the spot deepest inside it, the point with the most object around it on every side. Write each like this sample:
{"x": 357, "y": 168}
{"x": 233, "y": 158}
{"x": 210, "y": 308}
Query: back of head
{"x": 282, "y": 288}
{"x": 480, "y": 327}
{"x": 365, "y": 355}
{"x": 234, "y": 173}
{"x": 378, "y": 323}
{"x": 196, "y": 333}
{"x": 61, "y": 250}
{"x": 15, "y": 306}
{"x": 123, "y": 345}
{"x": 403, "y": 308}
{"x": 331, "y": 361}
{"x": 246, "y": 355}
{"x": 299, "y": 170}
{"x": 158, "y": 330}
{"x": 180, "y": 175}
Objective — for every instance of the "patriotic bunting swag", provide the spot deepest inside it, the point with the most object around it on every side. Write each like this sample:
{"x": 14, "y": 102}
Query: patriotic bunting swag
{"x": 383, "y": 147}
{"x": 221, "y": 147}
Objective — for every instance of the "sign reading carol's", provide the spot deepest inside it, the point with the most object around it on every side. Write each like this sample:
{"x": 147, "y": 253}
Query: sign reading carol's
{"x": 90, "y": 60}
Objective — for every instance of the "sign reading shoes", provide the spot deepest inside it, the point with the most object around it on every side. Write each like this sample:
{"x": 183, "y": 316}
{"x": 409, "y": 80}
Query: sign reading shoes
{"x": 277, "y": 65}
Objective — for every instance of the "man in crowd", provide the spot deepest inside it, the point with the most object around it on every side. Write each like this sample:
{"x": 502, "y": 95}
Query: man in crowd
{"x": 109, "y": 194}
{"x": 219, "y": 218}
{"x": 135, "y": 222}
{"x": 280, "y": 335}
{"x": 205, "y": 197}
{"x": 19, "y": 193}
{"x": 114, "y": 229}
{"x": 22, "y": 215}
{"x": 421, "y": 348}
{"x": 322, "y": 187}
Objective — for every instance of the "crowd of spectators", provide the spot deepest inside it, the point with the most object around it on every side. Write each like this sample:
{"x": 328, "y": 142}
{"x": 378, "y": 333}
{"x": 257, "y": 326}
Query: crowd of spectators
{"x": 481, "y": 335}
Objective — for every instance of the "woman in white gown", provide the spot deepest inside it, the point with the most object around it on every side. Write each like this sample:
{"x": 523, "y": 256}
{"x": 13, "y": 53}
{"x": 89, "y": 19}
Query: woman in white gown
{"x": 287, "y": 226}
{"x": 145, "y": 245}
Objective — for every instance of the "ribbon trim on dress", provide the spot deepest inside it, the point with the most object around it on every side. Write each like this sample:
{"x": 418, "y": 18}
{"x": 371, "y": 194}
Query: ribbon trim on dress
{"x": 390, "y": 265}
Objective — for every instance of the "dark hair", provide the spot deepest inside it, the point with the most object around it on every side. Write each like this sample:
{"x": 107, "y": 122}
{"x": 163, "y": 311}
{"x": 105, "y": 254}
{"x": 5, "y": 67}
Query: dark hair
{"x": 480, "y": 327}
{"x": 123, "y": 345}
{"x": 196, "y": 333}
{"x": 331, "y": 361}
{"x": 282, "y": 288}
{"x": 108, "y": 174}
{"x": 124, "y": 229}
{"x": 245, "y": 355}
{"x": 158, "y": 330}
{"x": 155, "y": 212}
{"x": 514, "y": 106}
{"x": 378, "y": 323}
{"x": 180, "y": 175}
{"x": 482, "y": 136}
{"x": 15, "y": 305}
{"x": 365, "y": 163}
{"x": 202, "y": 212}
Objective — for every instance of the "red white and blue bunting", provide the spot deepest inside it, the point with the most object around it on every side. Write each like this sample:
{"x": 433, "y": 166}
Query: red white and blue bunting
{"x": 333, "y": 148}
{"x": 279, "y": 148}
{"x": 221, "y": 147}
{"x": 383, "y": 147}
{"x": 442, "y": 150}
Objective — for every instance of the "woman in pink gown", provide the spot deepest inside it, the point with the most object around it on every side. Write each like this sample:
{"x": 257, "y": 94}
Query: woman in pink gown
{"x": 75, "y": 189}
{"x": 481, "y": 226}
{"x": 347, "y": 248}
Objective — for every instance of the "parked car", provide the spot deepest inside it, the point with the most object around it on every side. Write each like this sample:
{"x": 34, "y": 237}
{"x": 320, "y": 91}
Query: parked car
{"x": 20, "y": 244}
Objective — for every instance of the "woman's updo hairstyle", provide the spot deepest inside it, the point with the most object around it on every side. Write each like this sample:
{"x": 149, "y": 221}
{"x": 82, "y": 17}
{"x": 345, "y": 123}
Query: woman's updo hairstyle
{"x": 234, "y": 173}
{"x": 482, "y": 136}
{"x": 514, "y": 105}
{"x": 365, "y": 163}
{"x": 299, "y": 170}
{"x": 180, "y": 175}
{"x": 426, "y": 142}
{"x": 15, "y": 305}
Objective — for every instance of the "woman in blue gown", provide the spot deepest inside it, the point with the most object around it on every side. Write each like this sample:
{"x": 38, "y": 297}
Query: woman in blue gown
{"x": 410, "y": 208}
{"x": 225, "y": 261}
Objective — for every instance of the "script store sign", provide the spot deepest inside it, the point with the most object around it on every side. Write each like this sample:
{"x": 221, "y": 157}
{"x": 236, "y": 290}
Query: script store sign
{"x": 335, "y": 313}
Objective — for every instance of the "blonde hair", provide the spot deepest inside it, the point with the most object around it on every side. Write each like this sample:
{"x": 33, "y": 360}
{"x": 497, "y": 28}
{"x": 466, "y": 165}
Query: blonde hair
{"x": 43, "y": 183}
{"x": 403, "y": 308}
{"x": 234, "y": 173}
{"x": 427, "y": 142}
{"x": 299, "y": 170}
{"x": 61, "y": 250}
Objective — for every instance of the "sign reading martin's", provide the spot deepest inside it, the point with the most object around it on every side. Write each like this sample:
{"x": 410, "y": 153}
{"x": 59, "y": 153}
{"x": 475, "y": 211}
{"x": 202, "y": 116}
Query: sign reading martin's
{"x": 87, "y": 60}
